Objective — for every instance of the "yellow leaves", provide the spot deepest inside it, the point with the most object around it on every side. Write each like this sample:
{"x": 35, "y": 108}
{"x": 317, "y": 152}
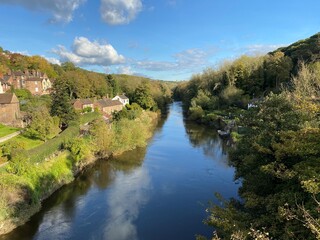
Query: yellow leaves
{"x": 311, "y": 185}
{"x": 279, "y": 170}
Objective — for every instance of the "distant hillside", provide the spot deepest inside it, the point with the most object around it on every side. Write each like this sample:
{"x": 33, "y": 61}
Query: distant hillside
{"x": 307, "y": 50}
{"x": 82, "y": 83}
{"x": 234, "y": 83}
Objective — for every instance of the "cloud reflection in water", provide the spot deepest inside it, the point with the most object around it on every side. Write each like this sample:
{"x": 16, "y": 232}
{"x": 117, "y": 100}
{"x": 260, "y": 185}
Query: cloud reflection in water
{"x": 128, "y": 194}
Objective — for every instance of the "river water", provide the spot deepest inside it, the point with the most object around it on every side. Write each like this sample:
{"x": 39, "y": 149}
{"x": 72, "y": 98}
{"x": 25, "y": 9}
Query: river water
{"x": 159, "y": 192}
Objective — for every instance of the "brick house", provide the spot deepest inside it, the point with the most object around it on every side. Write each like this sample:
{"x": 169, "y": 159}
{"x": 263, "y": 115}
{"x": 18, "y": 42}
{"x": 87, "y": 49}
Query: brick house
{"x": 122, "y": 98}
{"x": 108, "y": 106}
{"x": 36, "y": 82}
{"x": 6, "y": 82}
{"x": 10, "y": 109}
{"x": 80, "y": 104}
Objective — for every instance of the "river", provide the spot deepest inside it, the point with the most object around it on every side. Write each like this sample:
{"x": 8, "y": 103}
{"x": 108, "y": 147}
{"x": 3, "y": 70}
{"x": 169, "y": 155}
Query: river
{"x": 158, "y": 192}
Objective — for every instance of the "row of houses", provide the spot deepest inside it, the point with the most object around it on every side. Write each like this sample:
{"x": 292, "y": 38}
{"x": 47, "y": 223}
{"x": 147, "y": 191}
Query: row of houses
{"x": 36, "y": 82}
{"x": 10, "y": 109}
{"x": 105, "y": 105}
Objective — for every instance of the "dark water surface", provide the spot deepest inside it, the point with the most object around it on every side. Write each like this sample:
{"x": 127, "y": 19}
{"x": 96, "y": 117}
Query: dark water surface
{"x": 158, "y": 192}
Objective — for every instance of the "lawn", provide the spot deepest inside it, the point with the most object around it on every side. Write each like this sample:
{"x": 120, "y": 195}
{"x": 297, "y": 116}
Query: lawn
{"x": 27, "y": 142}
{"x": 6, "y": 130}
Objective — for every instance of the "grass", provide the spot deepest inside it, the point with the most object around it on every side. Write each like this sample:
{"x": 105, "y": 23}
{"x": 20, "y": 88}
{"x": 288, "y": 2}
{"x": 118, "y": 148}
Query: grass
{"x": 27, "y": 142}
{"x": 88, "y": 117}
{"x": 6, "y": 130}
{"x": 40, "y": 153}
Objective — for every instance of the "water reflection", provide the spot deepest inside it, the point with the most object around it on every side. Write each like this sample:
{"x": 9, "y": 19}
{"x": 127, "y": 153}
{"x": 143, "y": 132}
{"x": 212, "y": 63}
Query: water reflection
{"x": 207, "y": 139}
{"x": 158, "y": 192}
{"x": 126, "y": 198}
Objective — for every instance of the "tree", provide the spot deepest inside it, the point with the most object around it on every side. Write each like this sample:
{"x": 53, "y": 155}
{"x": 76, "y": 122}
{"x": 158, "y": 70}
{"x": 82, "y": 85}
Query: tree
{"x": 143, "y": 97}
{"x": 278, "y": 70}
{"x": 103, "y": 136}
{"x": 41, "y": 64}
{"x": 68, "y": 66}
{"x": 18, "y": 62}
{"x": 61, "y": 104}
{"x": 42, "y": 124}
{"x": 78, "y": 148}
{"x": 114, "y": 85}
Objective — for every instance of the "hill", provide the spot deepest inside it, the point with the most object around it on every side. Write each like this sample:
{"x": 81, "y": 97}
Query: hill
{"x": 307, "y": 50}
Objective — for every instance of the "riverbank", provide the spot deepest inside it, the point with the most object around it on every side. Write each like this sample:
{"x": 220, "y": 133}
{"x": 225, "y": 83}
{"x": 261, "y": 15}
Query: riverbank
{"x": 23, "y": 191}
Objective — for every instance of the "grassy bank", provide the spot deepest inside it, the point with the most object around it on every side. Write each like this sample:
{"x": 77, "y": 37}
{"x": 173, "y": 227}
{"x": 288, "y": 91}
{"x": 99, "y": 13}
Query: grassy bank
{"x": 27, "y": 181}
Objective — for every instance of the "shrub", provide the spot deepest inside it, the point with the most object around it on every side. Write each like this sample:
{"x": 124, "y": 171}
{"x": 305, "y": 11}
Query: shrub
{"x": 196, "y": 113}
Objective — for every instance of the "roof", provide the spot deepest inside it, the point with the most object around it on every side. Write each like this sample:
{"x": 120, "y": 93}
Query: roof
{"x": 102, "y": 103}
{"x": 86, "y": 101}
{"x": 123, "y": 96}
{"x": 18, "y": 73}
{"x": 6, "y": 98}
{"x": 34, "y": 79}
{"x": 108, "y": 103}
{"x": 83, "y": 101}
{"x": 5, "y": 78}
{"x": 111, "y": 103}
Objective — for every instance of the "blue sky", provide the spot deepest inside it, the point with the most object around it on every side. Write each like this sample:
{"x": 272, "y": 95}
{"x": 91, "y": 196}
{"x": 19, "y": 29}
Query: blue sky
{"x": 164, "y": 39}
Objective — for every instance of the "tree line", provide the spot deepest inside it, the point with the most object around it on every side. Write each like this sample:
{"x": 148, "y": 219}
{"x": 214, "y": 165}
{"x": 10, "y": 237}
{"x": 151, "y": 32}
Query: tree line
{"x": 277, "y": 157}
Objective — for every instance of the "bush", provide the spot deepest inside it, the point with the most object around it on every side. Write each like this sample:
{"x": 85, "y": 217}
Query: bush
{"x": 38, "y": 154}
{"x": 87, "y": 110}
{"x": 231, "y": 96}
{"x": 196, "y": 113}
{"x": 78, "y": 148}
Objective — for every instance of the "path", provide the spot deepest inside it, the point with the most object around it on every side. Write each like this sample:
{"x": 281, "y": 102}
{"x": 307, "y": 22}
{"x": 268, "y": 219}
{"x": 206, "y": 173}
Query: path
{"x": 5, "y": 138}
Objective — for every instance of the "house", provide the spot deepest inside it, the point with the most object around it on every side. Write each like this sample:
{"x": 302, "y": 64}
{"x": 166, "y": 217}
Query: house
{"x": 81, "y": 104}
{"x": 108, "y": 106}
{"x": 122, "y": 98}
{"x": 10, "y": 109}
{"x": 36, "y": 82}
{"x": 6, "y": 82}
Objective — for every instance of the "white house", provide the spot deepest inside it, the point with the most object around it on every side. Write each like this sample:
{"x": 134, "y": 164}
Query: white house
{"x": 122, "y": 98}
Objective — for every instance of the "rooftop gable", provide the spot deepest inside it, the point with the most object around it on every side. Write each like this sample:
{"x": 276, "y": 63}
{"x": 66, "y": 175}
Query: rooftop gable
{"x": 7, "y": 98}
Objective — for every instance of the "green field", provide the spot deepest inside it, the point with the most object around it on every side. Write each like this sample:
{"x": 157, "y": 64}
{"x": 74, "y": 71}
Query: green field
{"x": 6, "y": 130}
{"x": 27, "y": 142}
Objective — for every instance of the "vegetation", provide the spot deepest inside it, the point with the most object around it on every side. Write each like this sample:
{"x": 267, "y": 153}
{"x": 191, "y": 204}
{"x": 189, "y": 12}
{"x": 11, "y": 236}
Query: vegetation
{"x": 277, "y": 155}
{"x": 6, "y": 130}
{"x": 55, "y": 144}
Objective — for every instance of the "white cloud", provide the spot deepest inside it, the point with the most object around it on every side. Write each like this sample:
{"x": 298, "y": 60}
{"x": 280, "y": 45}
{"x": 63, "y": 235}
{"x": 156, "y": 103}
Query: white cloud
{"x": 125, "y": 70}
{"x": 61, "y": 10}
{"x": 185, "y": 60}
{"x": 53, "y": 60}
{"x": 84, "y": 53}
{"x": 115, "y": 12}
{"x": 261, "y": 48}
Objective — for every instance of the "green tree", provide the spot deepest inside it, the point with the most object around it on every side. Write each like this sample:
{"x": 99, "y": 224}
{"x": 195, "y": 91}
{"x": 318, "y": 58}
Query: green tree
{"x": 42, "y": 124}
{"x": 61, "y": 104}
{"x": 278, "y": 70}
{"x": 78, "y": 148}
{"x": 143, "y": 97}
{"x": 114, "y": 85}
{"x": 102, "y": 135}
